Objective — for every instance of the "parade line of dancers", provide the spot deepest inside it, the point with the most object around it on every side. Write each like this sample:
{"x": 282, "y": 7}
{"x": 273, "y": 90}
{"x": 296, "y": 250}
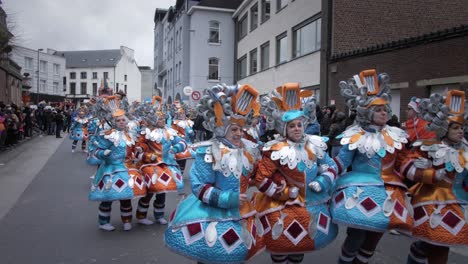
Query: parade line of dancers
{"x": 382, "y": 178}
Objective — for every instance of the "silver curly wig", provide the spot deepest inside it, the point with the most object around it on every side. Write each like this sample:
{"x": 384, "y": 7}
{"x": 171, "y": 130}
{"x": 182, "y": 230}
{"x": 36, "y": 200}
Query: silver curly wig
{"x": 221, "y": 104}
{"x": 280, "y": 101}
{"x": 361, "y": 94}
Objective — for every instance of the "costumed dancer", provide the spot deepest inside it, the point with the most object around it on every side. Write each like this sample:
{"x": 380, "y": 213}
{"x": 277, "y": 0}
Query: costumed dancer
{"x": 184, "y": 127}
{"x": 415, "y": 126}
{"x": 440, "y": 168}
{"x": 294, "y": 176}
{"x": 94, "y": 127}
{"x": 216, "y": 223}
{"x": 78, "y": 129}
{"x": 371, "y": 198}
{"x": 112, "y": 181}
{"x": 252, "y": 133}
{"x": 157, "y": 146}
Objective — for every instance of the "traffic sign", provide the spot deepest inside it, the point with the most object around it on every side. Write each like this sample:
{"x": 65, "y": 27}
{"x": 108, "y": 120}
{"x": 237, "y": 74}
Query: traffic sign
{"x": 188, "y": 90}
{"x": 196, "y": 95}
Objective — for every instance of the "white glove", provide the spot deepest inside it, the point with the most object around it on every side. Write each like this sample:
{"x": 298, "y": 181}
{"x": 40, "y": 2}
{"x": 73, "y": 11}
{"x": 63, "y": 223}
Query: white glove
{"x": 96, "y": 143}
{"x": 153, "y": 157}
{"x": 441, "y": 175}
{"x": 315, "y": 186}
{"x": 107, "y": 152}
{"x": 139, "y": 149}
{"x": 422, "y": 163}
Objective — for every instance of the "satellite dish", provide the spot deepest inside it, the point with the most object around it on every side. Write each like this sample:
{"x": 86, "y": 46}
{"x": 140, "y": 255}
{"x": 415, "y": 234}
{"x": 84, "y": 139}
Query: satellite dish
{"x": 188, "y": 90}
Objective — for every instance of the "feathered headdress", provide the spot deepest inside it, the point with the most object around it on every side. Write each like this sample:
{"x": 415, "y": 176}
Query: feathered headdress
{"x": 284, "y": 105}
{"x": 364, "y": 91}
{"x": 440, "y": 111}
{"x": 112, "y": 103}
{"x": 224, "y": 105}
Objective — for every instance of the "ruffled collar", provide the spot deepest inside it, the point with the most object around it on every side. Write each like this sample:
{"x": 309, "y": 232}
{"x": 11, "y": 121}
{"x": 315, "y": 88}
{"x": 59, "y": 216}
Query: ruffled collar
{"x": 119, "y": 137}
{"x": 183, "y": 123}
{"x": 454, "y": 157}
{"x": 297, "y": 154}
{"x": 374, "y": 142}
{"x": 157, "y": 134}
{"x": 232, "y": 161}
{"x": 80, "y": 120}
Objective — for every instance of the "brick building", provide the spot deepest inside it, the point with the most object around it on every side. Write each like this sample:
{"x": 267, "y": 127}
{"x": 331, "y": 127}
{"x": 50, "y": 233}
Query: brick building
{"x": 421, "y": 44}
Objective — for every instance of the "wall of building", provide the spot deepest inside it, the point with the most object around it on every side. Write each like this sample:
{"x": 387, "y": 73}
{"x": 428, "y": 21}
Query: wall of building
{"x": 305, "y": 69}
{"x": 414, "y": 71}
{"x": 19, "y": 55}
{"x": 201, "y": 50}
{"x": 363, "y": 23}
{"x": 147, "y": 84}
{"x": 127, "y": 66}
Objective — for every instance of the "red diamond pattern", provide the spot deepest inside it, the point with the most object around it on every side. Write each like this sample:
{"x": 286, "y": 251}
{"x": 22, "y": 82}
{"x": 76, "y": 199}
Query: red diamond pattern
{"x": 147, "y": 178}
{"x": 419, "y": 213}
{"x": 264, "y": 221}
{"x": 399, "y": 209}
{"x": 119, "y": 183}
{"x": 451, "y": 219}
{"x": 294, "y": 230}
{"x": 165, "y": 177}
{"x": 101, "y": 185}
{"x": 178, "y": 177}
{"x": 172, "y": 216}
{"x": 323, "y": 221}
{"x": 138, "y": 180}
{"x": 339, "y": 197}
{"x": 368, "y": 204}
{"x": 230, "y": 237}
{"x": 254, "y": 230}
{"x": 194, "y": 229}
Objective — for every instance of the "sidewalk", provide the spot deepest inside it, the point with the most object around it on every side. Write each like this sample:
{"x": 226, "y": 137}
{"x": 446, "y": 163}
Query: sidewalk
{"x": 20, "y": 165}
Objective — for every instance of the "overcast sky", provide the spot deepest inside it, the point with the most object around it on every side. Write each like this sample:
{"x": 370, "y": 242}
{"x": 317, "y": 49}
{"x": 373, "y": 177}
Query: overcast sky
{"x": 67, "y": 25}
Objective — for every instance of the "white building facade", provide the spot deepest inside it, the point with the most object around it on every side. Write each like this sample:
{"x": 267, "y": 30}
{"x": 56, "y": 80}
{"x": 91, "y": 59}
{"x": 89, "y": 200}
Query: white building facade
{"x": 278, "y": 41}
{"x": 87, "y": 70}
{"x": 193, "y": 46}
{"x": 46, "y": 71}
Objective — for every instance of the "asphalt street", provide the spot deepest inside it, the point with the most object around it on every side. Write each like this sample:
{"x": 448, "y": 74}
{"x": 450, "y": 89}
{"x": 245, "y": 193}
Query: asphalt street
{"x": 45, "y": 216}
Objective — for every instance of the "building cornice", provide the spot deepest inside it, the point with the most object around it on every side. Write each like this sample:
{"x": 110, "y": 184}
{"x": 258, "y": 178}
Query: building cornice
{"x": 206, "y": 8}
{"x": 241, "y": 8}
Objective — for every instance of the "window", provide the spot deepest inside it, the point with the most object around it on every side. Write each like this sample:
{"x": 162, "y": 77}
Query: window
{"x": 42, "y": 85}
{"x": 265, "y": 56}
{"x": 253, "y": 61}
{"x": 94, "y": 75}
{"x": 176, "y": 39}
{"x": 83, "y": 88}
{"x": 56, "y": 87}
{"x": 94, "y": 88}
{"x": 43, "y": 66}
{"x": 180, "y": 38}
{"x": 125, "y": 89}
{"x": 180, "y": 70}
{"x": 106, "y": 75}
{"x": 117, "y": 87}
{"x": 83, "y": 75}
{"x": 306, "y": 37}
{"x": 280, "y": 4}
{"x": 265, "y": 10}
{"x": 242, "y": 27}
{"x": 28, "y": 63}
{"x": 253, "y": 17}
{"x": 177, "y": 73}
{"x": 56, "y": 69}
{"x": 214, "y": 32}
{"x": 72, "y": 75}
{"x": 242, "y": 67}
{"x": 125, "y": 77}
{"x": 213, "y": 68}
{"x": 72, "y": 88}
{"x": 281, "y": 48}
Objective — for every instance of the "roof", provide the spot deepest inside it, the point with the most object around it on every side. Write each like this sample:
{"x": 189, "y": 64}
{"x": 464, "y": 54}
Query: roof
{"x": 228, "y": 4}
{"x": 91, "y": 58}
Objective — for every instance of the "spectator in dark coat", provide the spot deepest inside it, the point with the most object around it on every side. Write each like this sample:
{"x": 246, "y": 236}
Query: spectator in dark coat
{"x": 337, "y": 127}
{"x": 58, "y": 123}
{"x": 394, "y": 121}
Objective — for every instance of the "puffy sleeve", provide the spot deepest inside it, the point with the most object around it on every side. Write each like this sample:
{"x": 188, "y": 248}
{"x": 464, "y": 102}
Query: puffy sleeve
{"x": 266, "y": 169}
{"x": 203, "y": 179}
{"x": 344, "y": 159}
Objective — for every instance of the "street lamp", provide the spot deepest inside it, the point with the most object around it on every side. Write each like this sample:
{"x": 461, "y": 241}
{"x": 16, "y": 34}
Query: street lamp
{"x": 37, "y": 94}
